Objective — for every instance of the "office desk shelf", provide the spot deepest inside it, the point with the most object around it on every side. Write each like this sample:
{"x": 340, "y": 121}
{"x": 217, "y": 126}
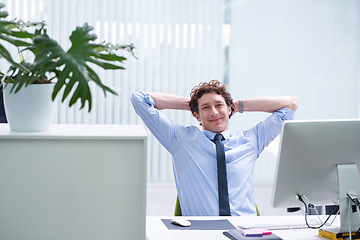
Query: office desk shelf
{"x": 73, "y": 182}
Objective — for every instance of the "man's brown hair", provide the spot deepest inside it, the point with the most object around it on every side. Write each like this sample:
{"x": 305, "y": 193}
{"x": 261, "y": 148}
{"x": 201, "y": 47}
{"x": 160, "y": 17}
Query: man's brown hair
{"x": 214, "y": 86}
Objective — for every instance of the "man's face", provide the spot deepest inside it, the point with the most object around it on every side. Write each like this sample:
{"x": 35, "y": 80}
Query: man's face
{"x": 213, "y": 112}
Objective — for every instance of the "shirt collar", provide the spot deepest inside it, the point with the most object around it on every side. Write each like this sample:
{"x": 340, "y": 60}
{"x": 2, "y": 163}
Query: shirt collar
{"x": 210, "y": 135}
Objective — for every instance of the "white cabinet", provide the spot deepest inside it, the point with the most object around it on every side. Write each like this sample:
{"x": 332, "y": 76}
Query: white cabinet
{"x": 73, "y": 182}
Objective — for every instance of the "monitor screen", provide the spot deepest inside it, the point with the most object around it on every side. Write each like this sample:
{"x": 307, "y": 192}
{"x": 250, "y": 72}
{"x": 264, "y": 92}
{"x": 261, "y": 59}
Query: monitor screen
{"x": 312, "y": 155}
{"x": 308, "y": 155}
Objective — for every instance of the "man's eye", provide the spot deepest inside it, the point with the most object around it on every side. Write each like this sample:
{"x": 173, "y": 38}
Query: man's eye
{"x": 204, "y": 108}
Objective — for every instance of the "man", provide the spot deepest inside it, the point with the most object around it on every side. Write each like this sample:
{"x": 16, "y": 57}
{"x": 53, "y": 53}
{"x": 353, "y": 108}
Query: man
{"x": 194, "y": 151}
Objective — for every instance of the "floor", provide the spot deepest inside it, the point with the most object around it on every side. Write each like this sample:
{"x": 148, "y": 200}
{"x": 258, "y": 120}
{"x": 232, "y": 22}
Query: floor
{"x": 161, "y": 199}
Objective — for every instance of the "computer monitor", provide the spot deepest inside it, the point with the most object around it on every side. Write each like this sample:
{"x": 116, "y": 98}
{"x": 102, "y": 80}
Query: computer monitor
{"x": 315, "y": 158}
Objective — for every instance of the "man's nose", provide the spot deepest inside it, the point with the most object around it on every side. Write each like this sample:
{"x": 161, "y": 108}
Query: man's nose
{"x": 214, "y": 110}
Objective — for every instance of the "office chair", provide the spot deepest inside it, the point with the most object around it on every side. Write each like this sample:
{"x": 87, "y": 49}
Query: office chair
{"x": 177, "y": 211}
{"x": 177, "y": 208}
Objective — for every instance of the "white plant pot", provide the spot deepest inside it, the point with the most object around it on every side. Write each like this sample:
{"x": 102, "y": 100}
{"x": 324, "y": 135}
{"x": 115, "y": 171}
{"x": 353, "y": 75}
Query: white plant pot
{"x": 30, "y": 109}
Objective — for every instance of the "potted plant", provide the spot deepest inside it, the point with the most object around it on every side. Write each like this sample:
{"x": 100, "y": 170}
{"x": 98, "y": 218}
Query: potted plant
{"x": 70, "y": 70}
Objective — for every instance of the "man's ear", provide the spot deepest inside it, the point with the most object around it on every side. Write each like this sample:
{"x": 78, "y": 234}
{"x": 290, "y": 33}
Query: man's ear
{"x": 197, "y": 116}
{"x": 229, "y": 110}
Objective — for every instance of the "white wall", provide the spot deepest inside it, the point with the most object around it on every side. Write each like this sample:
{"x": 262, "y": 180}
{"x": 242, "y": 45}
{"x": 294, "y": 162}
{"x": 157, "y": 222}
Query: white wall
{"x": 306, "y": 48}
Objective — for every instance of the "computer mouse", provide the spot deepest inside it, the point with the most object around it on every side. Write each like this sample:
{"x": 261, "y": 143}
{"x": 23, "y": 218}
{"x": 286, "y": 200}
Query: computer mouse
{"x": 181, "y": 222}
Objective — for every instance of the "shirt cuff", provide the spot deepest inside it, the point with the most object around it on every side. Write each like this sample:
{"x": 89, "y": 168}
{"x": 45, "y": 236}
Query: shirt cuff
{"x": 285, "y": 114}
{"x": 148, "y": 99}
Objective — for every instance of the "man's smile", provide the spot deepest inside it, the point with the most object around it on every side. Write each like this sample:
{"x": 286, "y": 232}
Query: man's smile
{"x": 216, "y": 119}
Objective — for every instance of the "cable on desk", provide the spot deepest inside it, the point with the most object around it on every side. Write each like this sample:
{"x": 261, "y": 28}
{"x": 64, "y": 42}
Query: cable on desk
{"x": 302, "y": 198}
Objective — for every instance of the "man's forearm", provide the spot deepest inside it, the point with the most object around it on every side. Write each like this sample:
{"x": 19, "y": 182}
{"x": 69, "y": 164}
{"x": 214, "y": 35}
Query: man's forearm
{"x": 268, "y": 104}
{"x": 170, "y": 101}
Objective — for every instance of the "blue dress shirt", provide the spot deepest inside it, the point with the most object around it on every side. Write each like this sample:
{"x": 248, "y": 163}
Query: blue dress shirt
{"x": 194, "y": 158}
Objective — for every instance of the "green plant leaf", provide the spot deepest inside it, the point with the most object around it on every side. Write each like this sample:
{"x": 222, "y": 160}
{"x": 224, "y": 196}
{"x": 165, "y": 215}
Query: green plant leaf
{"x": 21, "y": 34}
{"x": 76, "y": 72}
{"x": 15, "y": 37}
{"x": 112, "y": 57}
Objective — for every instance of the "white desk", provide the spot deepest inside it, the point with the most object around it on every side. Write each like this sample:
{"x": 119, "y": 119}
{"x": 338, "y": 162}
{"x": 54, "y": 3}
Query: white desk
{"x": 73, "y": 182}
{"x": 156, "y": 230}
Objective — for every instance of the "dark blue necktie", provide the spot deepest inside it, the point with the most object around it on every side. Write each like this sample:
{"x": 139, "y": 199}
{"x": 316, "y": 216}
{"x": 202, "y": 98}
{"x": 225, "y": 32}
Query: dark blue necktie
{"x": 224, "y": 208}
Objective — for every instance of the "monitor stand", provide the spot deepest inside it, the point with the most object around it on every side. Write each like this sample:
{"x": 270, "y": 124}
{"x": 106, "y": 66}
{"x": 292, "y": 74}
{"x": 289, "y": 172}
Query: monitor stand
{"x": 349, "y": 179}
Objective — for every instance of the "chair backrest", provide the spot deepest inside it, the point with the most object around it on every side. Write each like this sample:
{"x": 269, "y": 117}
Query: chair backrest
{"x": 177, "y": 208}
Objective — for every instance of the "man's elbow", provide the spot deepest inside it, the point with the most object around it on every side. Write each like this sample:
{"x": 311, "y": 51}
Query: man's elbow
{"x": 293, "y": 103}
